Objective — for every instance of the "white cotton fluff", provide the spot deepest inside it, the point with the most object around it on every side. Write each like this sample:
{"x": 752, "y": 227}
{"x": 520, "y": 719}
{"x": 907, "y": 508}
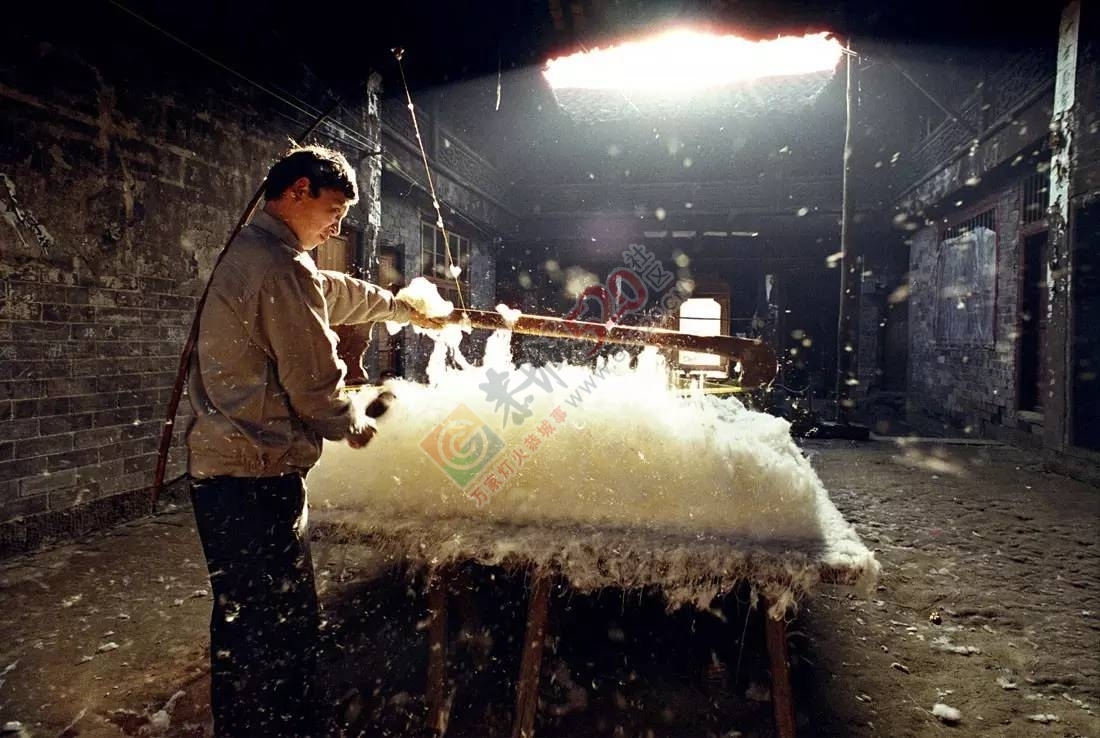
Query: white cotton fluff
{"x": 1043, "y": 718}
{"x": 510, "y": 315}
{"x": 634, "y": 487}
{"x": 628, "y": 452}
{"x": 159, "y": 722}
{"x": 423, "y": 296}
{"x": 946, "y": 713}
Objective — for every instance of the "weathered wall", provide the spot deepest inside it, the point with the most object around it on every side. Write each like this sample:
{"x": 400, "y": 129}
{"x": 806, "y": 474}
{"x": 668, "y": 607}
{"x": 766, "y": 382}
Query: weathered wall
{"x": 966, "y": 388}
{"x": 118, "y": 186}
{"x": 958, "y": 388}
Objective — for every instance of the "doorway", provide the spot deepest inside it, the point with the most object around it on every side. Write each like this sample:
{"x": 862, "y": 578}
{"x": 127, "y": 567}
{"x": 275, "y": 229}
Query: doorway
{"x": 1033, "y": 322}
{"x": 1085, "y": 352}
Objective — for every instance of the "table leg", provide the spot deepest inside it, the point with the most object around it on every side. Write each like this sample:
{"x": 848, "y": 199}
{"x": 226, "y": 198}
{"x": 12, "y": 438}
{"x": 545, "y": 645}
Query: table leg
{"x": 782, "y": 700}
{"x": 438, "y": 708}
{"x": 527, "y": 688}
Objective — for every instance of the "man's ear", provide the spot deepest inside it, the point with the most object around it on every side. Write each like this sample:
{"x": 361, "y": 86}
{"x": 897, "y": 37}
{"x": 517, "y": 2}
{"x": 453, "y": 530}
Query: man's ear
{"x": 300, "y": 189}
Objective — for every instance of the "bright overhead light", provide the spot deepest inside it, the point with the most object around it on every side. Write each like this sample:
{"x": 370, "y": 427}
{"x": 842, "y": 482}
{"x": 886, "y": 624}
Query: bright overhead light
{"x": 686, "y": 59}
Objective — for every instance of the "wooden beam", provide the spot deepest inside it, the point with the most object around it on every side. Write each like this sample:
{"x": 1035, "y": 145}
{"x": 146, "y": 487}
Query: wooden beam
{"x": 758, "y": 361}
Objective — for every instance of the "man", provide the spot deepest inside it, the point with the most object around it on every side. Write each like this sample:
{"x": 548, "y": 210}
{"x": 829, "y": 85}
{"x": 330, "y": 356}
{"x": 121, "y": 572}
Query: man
{"x": 264, "y": 385}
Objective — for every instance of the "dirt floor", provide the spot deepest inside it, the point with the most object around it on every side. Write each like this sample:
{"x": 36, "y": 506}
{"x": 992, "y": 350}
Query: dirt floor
{"x": 989, "y": 603}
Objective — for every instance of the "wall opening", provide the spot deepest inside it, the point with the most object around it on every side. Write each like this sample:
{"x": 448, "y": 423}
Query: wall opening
{"x": 1085, "y": 348}
{"x": 1033, "y": 322}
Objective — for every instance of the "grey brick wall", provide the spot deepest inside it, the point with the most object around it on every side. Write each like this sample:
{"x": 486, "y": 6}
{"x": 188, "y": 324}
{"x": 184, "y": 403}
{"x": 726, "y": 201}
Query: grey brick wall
{"x": 401, "y": 218}
{"x": 117, "y": 193}
{"x": 965, "y": 388}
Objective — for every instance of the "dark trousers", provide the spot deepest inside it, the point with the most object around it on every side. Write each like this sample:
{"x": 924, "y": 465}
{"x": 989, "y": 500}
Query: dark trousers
{"x": 264, "y": 628}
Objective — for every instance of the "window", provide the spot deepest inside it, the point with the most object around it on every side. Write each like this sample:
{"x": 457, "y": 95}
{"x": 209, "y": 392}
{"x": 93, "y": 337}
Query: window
{"x": 703, "y": 316}
{"x": 966, "y": 273}
{"x": 1036, "y": 197}
{"x": 433, "y": 255}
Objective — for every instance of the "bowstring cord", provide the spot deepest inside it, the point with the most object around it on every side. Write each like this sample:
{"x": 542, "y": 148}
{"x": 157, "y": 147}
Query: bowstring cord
{"x": 398, "y": 54}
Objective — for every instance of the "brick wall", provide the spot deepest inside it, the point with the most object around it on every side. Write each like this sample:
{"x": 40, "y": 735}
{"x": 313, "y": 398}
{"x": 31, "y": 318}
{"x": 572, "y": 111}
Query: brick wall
{"x": 402, "y": 214}
{"x": 117, "y": 190}
{"x": 401, "y": 228}
{"x": 965, "y": 388}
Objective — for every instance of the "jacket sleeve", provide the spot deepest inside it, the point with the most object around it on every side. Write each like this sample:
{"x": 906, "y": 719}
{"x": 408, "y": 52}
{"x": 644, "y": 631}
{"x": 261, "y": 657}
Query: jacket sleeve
{"x": 352, "y": 300}
{"x": 295, "y": 319}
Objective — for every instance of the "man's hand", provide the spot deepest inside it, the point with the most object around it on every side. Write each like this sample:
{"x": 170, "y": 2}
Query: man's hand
{"x": 361, "y": 439}
{"x": 362, "y": 434}
{"x": 424, "y": 321}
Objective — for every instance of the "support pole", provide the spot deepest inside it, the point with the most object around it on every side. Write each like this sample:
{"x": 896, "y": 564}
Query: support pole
{"x": 848, "y": 314}
{"x": 1067, "y": 122}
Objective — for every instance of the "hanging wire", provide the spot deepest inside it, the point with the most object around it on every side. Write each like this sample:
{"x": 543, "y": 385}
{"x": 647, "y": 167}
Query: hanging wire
{"x": 451, "y": 267}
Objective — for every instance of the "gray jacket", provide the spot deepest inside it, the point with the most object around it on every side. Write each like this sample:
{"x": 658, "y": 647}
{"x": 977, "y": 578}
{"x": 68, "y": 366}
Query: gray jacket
{"x": 265, "y": 377}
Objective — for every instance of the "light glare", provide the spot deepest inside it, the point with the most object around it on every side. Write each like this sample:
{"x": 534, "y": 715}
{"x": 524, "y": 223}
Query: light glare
{"x": 686, "y": 59}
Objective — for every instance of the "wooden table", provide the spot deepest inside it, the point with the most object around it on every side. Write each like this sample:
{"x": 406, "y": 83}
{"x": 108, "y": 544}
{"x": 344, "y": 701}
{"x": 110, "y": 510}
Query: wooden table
{"x": 781, "y": 572}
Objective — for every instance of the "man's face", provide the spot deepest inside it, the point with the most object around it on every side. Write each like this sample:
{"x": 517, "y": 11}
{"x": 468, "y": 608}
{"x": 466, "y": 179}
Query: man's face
{"x": 316, "y": 219}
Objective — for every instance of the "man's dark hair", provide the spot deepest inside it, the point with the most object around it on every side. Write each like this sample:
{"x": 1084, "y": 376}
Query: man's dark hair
{"x": 324, "y": 168}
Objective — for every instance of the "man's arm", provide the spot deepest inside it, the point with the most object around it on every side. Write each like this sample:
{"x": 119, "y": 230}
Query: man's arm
{"x": 352, "y": 300}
